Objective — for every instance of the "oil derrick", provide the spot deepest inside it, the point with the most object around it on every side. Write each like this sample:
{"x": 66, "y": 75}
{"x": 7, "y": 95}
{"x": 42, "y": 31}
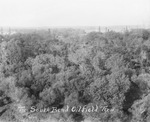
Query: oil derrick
{"x": 126, "y": 29}
{"x": 106, "y": 29}
{"x": 1, "y": 31}
{"x": 99, "y": 29}
{"x": 9, "y": 31}
{"x": 49, "y": 31}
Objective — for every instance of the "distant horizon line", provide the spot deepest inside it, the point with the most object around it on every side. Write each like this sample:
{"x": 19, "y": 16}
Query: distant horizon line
{"x": 76, "y": 26}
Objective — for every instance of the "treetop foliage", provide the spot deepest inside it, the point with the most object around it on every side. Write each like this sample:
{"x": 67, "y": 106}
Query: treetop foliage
{"x": 71, "y": 68}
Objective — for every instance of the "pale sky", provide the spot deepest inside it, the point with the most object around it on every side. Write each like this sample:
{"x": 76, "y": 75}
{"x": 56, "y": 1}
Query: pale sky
{"x": 39, "y": 13}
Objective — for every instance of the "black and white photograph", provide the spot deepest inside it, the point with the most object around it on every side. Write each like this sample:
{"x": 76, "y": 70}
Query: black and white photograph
{"x": 74, "y": 60}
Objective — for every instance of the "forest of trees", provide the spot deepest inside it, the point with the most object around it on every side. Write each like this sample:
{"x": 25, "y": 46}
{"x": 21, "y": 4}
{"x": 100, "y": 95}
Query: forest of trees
{"x": 110, "y": 70}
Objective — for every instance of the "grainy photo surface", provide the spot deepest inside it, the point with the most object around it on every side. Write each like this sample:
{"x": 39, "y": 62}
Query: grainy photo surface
{"x": 74, "y": 60}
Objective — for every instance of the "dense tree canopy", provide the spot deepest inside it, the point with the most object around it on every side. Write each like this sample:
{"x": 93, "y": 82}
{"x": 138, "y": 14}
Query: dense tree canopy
{"x": 73, "y": 69}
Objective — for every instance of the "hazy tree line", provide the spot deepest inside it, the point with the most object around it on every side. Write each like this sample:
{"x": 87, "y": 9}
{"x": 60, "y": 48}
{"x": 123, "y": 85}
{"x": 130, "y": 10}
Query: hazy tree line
{"x": 106, "y": 69}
